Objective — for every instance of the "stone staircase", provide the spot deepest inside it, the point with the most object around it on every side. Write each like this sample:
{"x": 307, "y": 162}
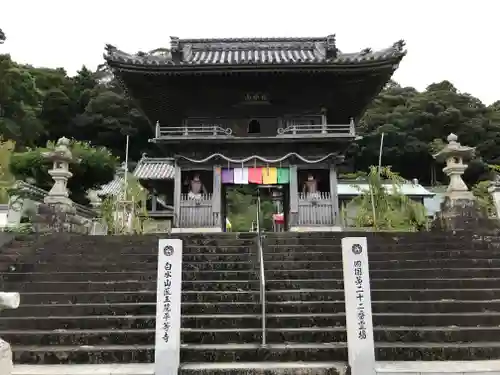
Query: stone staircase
{"x": 91, "y": 299}
{"x": 435, "y": 296}
{"x": 15, "y": 248}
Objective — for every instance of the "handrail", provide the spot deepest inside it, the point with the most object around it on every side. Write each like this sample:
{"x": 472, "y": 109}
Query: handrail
{"x": 197, "y": 130}
{"x": 316, "y": 129}
{"x": 262, "y": 274}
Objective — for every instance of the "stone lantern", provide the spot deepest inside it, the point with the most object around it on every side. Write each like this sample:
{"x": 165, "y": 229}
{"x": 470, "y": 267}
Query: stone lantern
{"x": 459, "y": 210}
{"x": 454, "y": 155}
{"x": 58, "y": 213}
{"x": 7, "y": 301}
{"x": 61, "y": 158}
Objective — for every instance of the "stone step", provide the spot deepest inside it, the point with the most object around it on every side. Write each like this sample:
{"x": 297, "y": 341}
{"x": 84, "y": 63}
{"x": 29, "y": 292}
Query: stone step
{"x": 129, "y": 286}
{"x": 294, "y": 307}
{"x": 131, "y": 266}
{"x": 136, "y": 296}
{"x": 397, "y": 273}
{"x": 93, "y": 337}
{"x": 386, "y": 236}
{"x": 385, "y": 294}
{"x": 285, "y": 254}
{"x": 20, "y": 247}
{"x": 19, "y": 277}
{"x": 253, "y": 296}
{"x": 137, "y": 257}
{"x": 81, "y": 244}
{"x": 245, "y": 265}
{"x": 374, "y": 243}
{"x": 234, "y": 368}
{"x": 253, "y": 353}
{"x": 191, "y": 353}
{"x": 271, "y": 254}
{"x": 377, "y": 242}
{"x": 264, "y": 368}
{"x": 389, "y": 283}
{"x": 242, "y": 285}
{"x": 387, "y": 264}
{"x": 313, "y": 253}
{"x": 239, "y": 321}
{"x": 299, "y": 254}
{"x": 84, "y": 250}
{"x": 129, "y": 251}
{"x": 89, "y": 249}
{"x": 143, "y": 308}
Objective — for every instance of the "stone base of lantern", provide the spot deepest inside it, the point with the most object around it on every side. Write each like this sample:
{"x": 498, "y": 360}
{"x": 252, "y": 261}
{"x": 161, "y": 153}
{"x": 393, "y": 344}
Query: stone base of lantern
{"x": 6, "y": 365}
{"x": 460, "y": 211}
{"x": 59, "y": 217}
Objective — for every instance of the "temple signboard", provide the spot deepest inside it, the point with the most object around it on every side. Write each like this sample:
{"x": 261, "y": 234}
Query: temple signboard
{"x": 168, "y": 307}
{"x": 358, "y": 306}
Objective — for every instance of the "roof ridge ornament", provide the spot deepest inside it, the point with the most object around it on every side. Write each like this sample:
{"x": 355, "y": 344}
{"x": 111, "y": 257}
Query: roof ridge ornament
{"x": 174, "y": 43}
{"x": 366, "y": 51}
{"x": 331, "y": 46}
{"x": 399, "y": 45}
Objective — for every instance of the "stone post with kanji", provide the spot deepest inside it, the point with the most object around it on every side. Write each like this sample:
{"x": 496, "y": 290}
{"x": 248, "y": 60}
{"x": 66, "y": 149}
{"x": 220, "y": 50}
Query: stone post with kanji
{"x": 7, "y": 301}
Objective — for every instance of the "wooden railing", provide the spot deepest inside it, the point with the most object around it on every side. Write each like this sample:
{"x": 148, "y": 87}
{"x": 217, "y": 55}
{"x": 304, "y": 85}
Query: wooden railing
{"x": 316, "y": 209}
{"x": 217, "y": 130}
{"x": 337, "y": 129}
{"x": 196, "y": 212}
{"x": 190, "y": 131}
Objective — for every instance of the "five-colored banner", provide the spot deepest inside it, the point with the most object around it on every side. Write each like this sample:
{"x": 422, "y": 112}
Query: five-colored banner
{"x": 260, "y": 176}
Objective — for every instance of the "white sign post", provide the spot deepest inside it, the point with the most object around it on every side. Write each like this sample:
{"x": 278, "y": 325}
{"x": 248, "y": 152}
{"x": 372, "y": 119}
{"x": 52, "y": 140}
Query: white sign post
{"x": 168, "y": 307}
{"x": 358, "y": 306}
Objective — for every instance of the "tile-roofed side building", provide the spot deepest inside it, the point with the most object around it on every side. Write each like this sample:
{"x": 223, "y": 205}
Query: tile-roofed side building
{"x": 112, "y": 188}
{"x": 253, "y": 52}
{"x": 154, "y": 169}
{"x": 353, "y": 189}
{"x": 146, "y": 169}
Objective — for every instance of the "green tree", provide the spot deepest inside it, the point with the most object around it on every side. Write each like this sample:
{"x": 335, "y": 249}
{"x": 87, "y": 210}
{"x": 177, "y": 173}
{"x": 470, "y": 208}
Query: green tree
{"x": 93, "y": 167}
{"x": 242, "y": 208}
{"x": 114, "y": 209}
{"x": 484, "y": 197}
{"x": 413, "y": 120}
{"x": 19, "y": 104}
{"x": 386, "y": 210}
{"x": 111, "y": 117}
{"x": 6, "y": 178}
{"x": 2, "y": 37}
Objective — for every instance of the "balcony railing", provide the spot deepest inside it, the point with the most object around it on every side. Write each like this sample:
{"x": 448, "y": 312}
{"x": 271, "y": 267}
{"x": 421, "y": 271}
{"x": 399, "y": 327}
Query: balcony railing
{"x": 186, "y": 131}
{"x": 319, "y": 129}
{"x": 290, "y": 131}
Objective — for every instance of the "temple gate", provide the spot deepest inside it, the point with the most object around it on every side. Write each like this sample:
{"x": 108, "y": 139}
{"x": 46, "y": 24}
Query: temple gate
{"x": 263, "y": 104}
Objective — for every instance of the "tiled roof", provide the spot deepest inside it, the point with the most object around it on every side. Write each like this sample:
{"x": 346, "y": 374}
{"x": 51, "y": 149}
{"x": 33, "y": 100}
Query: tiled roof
{"x": 146, "y": 169}
{"x": 253, "y": 51}
{"x": 112, "y": 188}
{"x": 353, "y": 189}
{"x": 154, "y": 169}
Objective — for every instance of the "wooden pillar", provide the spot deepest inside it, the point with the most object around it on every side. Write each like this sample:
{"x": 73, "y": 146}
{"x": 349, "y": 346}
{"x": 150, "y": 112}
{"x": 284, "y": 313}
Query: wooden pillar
{"x": 154, "y": 206}
{"x": 177, "y": 196}
{"x": 216, "y": 196}
{"x": 334, "y": 194}
{"x": 294, "y": 197}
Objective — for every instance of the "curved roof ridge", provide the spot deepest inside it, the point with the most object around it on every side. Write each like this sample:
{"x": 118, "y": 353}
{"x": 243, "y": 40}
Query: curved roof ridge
{"x": 252, "y": 39}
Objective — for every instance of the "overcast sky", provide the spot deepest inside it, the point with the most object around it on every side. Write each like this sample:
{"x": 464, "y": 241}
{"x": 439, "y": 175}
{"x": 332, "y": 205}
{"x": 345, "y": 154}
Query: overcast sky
{"x": 455, "y": 40}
